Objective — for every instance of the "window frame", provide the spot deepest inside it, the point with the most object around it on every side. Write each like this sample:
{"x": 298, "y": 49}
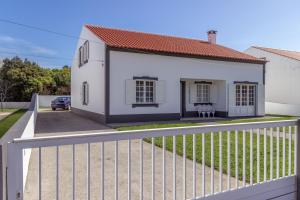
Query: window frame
{"x": 142, "y": 89}
{"x": 84, "y": 53}
{"x": 85, "y": 93}
{"x": 203, "y": 92}
{"x": 251, "y": 95}
{"x": 238, "y": 95}
{"x": 245, "y": 95}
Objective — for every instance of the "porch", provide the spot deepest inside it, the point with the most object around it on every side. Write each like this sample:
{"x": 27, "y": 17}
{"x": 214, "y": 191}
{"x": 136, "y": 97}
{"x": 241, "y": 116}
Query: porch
{"x": 210, "y": 98}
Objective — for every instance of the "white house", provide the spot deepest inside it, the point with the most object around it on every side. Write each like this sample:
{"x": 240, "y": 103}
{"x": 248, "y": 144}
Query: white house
{"x": 127, "y": 76}
{"x": 282, "y": 79}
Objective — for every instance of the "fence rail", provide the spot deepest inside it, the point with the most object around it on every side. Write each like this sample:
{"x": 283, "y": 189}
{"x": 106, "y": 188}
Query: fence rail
{"x": 242, "y": 154}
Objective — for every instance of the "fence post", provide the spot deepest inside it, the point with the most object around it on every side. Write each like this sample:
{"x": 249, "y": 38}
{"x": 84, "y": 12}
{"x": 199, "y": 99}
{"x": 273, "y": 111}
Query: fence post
{"x": 298, "y": 160}
{"x": 15, "y": 185}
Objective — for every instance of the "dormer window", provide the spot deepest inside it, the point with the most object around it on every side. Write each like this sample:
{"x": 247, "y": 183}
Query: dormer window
{"x": 84, "y": 53}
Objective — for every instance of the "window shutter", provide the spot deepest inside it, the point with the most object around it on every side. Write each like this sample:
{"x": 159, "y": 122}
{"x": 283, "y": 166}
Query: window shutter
{"x": 193, "y": 93}
{"x": 213, "y": 93}
{"x": 80, "y": 55}
{"x": 87, "y": 94}
{"x": 81, "y": 94}
{"x": 260, "y": 100}
{"x": 160, "y": 96}
{"x": 87, "y": 50}
{"x": 231, "y": 99}
{"x": 130, "y": 93}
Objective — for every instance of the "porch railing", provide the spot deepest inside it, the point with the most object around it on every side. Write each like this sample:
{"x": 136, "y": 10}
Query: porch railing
{"x": 243, "y": 155}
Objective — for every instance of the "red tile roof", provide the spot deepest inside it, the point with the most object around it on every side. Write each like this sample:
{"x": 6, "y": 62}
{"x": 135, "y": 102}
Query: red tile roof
{"x": 286, "y": 53}
{"x": 168, "y": 44}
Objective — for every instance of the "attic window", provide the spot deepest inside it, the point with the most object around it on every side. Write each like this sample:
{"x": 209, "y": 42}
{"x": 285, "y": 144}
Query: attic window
{"x": 84, "y": 53}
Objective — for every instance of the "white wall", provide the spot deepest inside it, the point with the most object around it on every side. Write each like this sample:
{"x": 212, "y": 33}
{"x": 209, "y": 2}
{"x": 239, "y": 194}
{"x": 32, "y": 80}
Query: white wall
{"x": 23, "y": 128}
{"x": 282, "y": 109}
{"x": 45, "y": 100}
{"x": 125, "y": 65}
{"x": 15, "y": 104}
{"x": 282, "y": 78}
{"x": 92, "y": 72}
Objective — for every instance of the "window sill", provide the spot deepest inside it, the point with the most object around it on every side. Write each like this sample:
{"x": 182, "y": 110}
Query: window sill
{"x": 145, "y": 105}
{"x": 80, "y": 65}
{"x": 197, "y": 104}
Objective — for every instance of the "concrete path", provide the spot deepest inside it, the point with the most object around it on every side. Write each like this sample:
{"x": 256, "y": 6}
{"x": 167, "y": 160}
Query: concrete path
{"x": 4, "y": 114}
{"x": 64, "y": 122}
{"x": 65, "y": 175}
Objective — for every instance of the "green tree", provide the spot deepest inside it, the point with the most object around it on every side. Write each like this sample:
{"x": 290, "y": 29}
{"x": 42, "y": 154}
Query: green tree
{"x": 28, "y": 77}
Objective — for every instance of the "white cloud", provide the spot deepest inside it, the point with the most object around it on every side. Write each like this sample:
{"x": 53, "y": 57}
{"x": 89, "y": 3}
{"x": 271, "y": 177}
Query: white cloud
{"x": 42, "y": 50}
{"x": 6, "y": 39}
{"x": 16, "y": 45}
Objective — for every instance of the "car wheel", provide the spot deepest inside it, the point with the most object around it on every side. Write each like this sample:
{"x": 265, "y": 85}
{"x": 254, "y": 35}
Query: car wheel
{"x": 53, "y": 109}
{"x": 69, "y": 107}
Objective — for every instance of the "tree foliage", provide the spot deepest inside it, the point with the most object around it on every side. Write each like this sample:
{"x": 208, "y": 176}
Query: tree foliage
{"x": 26, "y": 77}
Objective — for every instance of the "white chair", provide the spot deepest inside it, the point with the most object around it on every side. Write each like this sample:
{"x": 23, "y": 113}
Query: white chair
{"x": 213, "y": 110}
{"x": 200, "y": 110}
{"x": 208, "y": 110}
{"x": 204, "y": 110}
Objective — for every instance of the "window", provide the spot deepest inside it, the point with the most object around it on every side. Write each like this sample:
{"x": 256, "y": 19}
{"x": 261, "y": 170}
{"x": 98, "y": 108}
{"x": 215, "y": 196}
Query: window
{"x": 237, "y": 95}
{"x": 245, "y": 95}
{"x": 85, "y": 93}
{"x": 84, "y": 53}
{"x": 203, "y": 93}
{"x": 251, "y": 95}
{"x": 144, "y": 91}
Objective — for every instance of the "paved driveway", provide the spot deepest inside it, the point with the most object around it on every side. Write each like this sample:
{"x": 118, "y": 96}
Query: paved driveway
{"x": 64, "y": 122}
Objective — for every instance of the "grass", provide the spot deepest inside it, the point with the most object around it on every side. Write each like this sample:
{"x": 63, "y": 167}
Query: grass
{"x": 227, "y": 121}
{"x": 189, "y": 150}
{"x": 189, "y": 153}
{"x": 10, "y": 120}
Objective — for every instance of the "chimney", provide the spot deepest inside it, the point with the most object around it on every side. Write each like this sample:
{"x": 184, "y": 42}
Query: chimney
{"x": 212, "y": 36}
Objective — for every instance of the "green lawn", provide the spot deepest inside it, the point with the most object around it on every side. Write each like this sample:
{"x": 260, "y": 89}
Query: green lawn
{"x": 8, "y": 121}
{"x": 225, "y": 121}
{"x": 189, "y": 153}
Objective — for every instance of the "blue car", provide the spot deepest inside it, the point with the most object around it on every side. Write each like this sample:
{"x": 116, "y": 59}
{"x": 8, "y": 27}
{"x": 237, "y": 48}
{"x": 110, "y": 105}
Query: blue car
{"x": 61, "y": 102}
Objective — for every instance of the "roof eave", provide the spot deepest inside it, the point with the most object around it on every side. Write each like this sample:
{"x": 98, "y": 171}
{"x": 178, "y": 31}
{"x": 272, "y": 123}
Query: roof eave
{"x": 207, "y": 57}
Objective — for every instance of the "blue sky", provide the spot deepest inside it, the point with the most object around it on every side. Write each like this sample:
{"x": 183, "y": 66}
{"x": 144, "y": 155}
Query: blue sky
{"x": 240, "y": 23}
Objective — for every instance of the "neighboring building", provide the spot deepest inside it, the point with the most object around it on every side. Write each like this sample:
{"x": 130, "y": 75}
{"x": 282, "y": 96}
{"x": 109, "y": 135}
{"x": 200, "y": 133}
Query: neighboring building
{"x": 126, "y": 76}
{"x": 282, "y": 79}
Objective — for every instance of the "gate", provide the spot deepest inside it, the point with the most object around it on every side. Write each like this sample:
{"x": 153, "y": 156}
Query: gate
{"x": 232, "y": 161}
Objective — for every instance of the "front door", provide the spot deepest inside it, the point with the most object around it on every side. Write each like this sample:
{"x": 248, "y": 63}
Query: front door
{"x": 245, "y": 101}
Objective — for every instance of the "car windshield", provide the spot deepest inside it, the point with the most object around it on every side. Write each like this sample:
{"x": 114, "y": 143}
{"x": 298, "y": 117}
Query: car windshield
{"x": 63, "y": 98}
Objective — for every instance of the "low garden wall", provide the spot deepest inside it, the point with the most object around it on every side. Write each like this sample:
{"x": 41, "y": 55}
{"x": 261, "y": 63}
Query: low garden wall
{"x": 15, "y": 104}
{"x": 24, "y": 127}
{"x": 282, "y": 109}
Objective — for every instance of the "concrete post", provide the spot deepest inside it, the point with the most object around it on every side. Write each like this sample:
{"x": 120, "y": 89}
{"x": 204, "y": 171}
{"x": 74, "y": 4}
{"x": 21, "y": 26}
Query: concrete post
{"x": 298, "y": 160}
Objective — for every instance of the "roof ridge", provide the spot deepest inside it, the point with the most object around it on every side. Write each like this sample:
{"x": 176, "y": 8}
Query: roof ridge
{"x": 146, "y": 33}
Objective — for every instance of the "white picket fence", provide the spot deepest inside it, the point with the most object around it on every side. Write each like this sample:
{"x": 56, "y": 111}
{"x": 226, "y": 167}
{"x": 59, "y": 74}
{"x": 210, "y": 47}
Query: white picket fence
{"x": 277, "y": 180}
